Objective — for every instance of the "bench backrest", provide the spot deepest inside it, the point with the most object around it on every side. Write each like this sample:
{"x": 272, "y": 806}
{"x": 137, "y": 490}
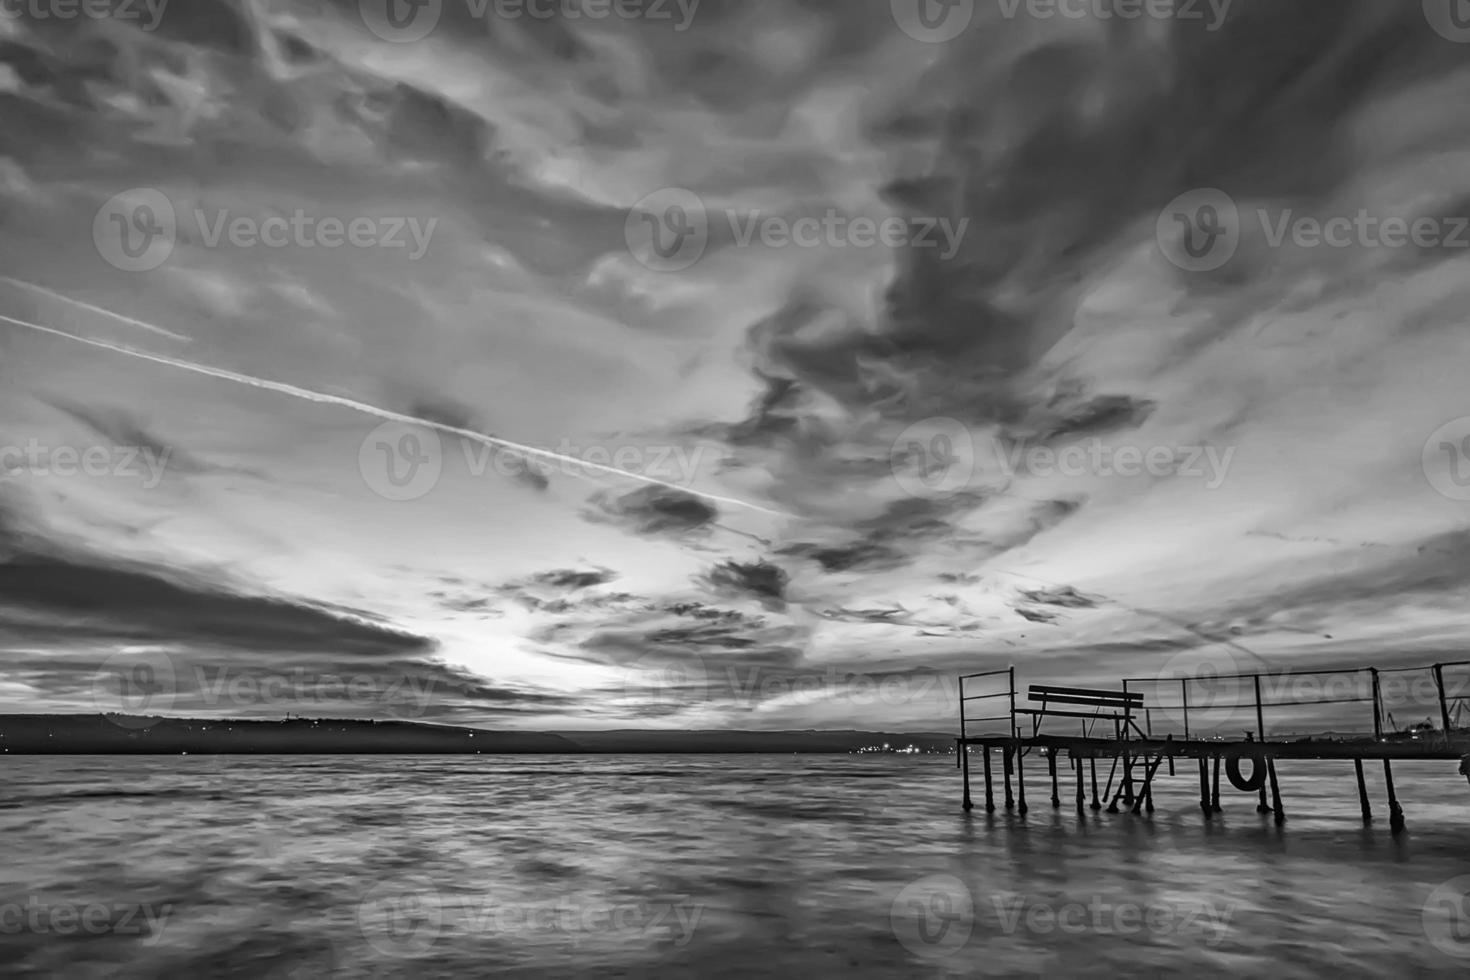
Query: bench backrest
{"x": 1125, "y": 701}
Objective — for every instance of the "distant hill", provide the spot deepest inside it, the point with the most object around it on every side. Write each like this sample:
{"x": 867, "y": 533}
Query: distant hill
{"x": 135, "y": 734}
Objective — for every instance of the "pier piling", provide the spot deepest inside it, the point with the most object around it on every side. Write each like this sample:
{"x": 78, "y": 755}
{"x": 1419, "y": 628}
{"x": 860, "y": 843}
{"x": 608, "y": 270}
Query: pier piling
{"x": 989, "y": 788}
{"x": 1051, "y": 765}
{"x": 1005, "y": 757}
{"x": 1020, "y": 781}
{"x": 1395, "y": 812}
{"x": 1363, "y": 792}
{"x": 1275, "y": 792}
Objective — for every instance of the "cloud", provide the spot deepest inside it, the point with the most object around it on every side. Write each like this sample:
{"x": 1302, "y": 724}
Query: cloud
{"x": 653, "y": 511}
{"x": 759, "y": 580}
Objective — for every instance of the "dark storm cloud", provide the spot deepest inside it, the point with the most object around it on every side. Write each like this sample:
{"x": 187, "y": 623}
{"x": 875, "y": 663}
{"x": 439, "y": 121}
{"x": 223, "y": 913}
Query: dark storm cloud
{"x": 575, "y": 580}
{"x": 653, "y": 510}
{"x": 759, "y": 580}
{"x": 53, "y": 591}
{"x": 1064, "y": 596}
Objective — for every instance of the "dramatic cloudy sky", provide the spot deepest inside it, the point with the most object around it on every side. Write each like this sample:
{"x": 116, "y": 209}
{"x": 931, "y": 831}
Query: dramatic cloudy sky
{"x": 841, "y": 496}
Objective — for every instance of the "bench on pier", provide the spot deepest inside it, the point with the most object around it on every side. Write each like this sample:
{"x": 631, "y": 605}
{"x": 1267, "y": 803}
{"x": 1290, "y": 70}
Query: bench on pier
{"x": 1118, "y": 707}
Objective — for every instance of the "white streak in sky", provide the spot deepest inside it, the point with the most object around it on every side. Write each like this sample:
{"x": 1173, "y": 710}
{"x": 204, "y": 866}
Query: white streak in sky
{"x": 100, "y": 311}
{"x": 322, "y": 398}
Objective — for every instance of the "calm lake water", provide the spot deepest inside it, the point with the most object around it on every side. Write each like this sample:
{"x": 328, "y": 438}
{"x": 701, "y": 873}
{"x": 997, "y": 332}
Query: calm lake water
{"x": 705, "y": 867}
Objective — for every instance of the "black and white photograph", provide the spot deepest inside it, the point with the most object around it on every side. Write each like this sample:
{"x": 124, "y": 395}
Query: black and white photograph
{"x": 561, "y": 489}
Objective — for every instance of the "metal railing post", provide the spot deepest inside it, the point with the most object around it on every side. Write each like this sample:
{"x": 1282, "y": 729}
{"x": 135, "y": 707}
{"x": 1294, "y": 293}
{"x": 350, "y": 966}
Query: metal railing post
{"x": 1377, "y": 705}
{"x": 1260, "y": 716}
{"x": 1015, "y": 729}
{"x": 1184, "y": 699}
{"x": 964, "y": 750}
{"x": 1444, "y": 705}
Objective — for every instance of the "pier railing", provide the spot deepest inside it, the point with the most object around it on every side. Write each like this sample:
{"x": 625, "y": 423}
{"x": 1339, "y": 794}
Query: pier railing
{"x": 998, "y": 694}
{"x": 1213, "y": 720}
{"x": 1364, "y": 701}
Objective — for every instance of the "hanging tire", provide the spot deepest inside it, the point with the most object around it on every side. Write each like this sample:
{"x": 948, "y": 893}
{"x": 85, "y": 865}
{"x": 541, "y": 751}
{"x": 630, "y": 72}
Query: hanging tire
{"x": 1258, "y": 773}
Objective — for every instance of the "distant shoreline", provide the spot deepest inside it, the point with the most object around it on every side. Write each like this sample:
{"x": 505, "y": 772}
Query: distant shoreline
{"x": 98, "y": 734}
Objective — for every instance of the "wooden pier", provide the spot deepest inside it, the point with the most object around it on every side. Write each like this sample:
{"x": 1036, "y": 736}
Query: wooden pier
{"x": 1151, "y": 724}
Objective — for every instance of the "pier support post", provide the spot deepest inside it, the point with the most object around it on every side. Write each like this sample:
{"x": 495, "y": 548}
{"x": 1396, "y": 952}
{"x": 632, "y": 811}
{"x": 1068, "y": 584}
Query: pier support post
{"x": 1204, "y": 787}
{"x": 989, "y": 788}
{"x": 1363, "y": 792}
{"x": 1081, "y": 788}
{"x": 1006, "y": 765}
{"x": 1096, "y": 803}
{"x": 1215, "y": 789}
{"x": 1051, "y": 765}
{"x": 965, "y": 770}
{"x": 1275, "y": 792}
{"x": 1395, "y": 812}
{"x": 1020, "y": 782}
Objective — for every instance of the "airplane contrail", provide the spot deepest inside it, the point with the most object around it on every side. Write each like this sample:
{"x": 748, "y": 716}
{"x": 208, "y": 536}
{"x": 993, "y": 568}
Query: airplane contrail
{"x": 323, "y": 398}
{"x": 101, "y": 311}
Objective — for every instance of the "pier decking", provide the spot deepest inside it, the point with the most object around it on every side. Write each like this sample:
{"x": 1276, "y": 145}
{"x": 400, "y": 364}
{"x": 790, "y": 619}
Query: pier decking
{"x": 1147, "y": 724}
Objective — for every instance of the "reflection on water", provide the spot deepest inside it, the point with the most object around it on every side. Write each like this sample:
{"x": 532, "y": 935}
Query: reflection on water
{"x": 703, "y": 866}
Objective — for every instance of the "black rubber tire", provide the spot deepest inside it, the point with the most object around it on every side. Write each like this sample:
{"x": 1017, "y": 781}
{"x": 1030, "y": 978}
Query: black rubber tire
{"x": 1258, "y": 773}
